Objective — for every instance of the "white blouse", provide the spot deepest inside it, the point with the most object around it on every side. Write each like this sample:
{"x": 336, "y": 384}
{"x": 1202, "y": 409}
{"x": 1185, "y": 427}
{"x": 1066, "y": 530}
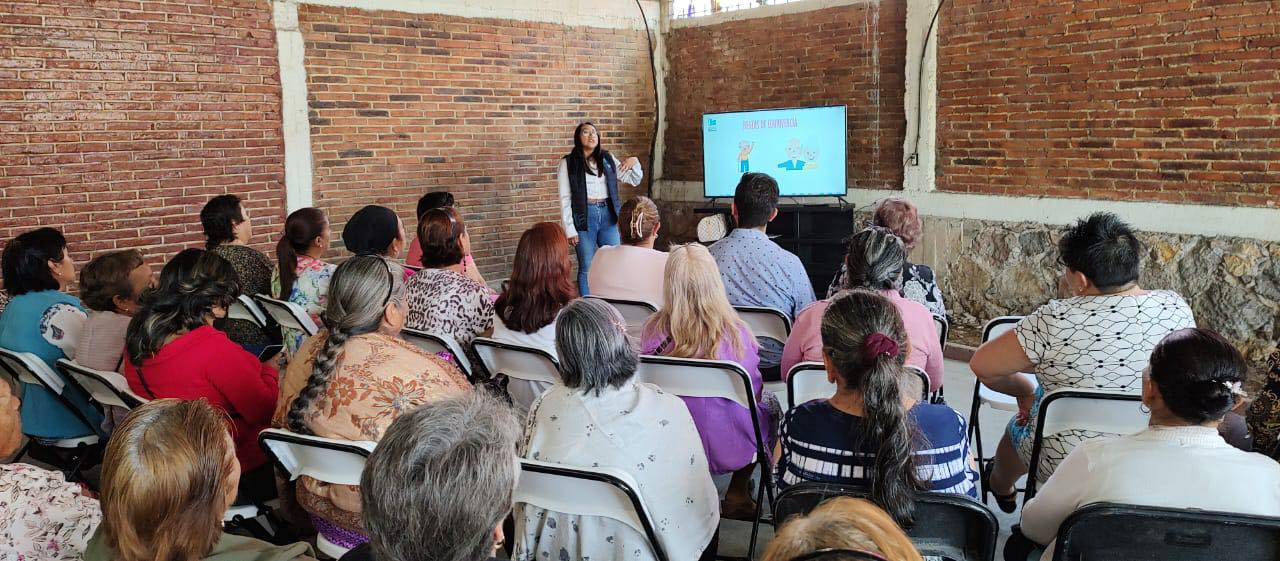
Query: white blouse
{"x": 1173, "y": 467}
{"x": 596, "y": 189}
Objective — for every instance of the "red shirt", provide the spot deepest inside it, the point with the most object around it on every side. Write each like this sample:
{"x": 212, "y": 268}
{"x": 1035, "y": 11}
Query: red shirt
{"x": 204, "y": 363}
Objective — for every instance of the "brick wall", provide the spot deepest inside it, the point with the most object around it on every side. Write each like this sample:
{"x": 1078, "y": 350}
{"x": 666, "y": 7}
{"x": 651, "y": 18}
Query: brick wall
{"x": 1165, "y": 100}
{"x": 849, "y": 55}
{"x": 402, "y": 104}
{"x": 119, "y": 119}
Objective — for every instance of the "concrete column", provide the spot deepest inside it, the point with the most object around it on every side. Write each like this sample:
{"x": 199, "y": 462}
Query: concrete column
{"x": 293, "y": 94}
{"x": 918, "y": 172}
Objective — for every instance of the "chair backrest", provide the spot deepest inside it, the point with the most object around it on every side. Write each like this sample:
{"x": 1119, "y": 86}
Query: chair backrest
{"x": 998, "y": 326}
{"x": 806, "y": 382}
{"x": 943, "y": 328}
{"x": 106, "y": 388}
{"x": 1112, "y": 532}
{"x": 923, "y": 379}
{"x": 27, "y": 368}
{"x": 695, "y": 377}
{"x": 516, "y": 361}
{"x": 432, "y": 343}
{"x": 288, "y": 314}
{"x": 948, "y": 526}
{"x": 330, "y": 460}
{"x": 634, "y": 312}
{"x": 767, "y": 323}
{"x": 1086, "y": 412}
{"x": 246, "y": 309}
{"x": 583, "y": 491}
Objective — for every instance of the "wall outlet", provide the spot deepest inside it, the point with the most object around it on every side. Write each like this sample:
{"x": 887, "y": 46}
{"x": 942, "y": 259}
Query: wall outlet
{"x": 913, "y": 160}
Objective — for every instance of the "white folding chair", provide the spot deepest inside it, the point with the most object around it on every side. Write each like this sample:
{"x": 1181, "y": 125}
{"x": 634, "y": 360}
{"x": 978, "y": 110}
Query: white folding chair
{"x": 634, "y": 312}
{"x": 982, "y": 395}
{"x": 106, "y": 388}
{"x": 27, "y": 368}
{"x": 693, "y": 377}
{"x": 432, "y": 343}
{"x": 1075, "y": 415}
{"x": 766, "y": 323}
{"x": 943, "y": 327}
{"x": 807, "y": 381}
{"x": 246, "y": 309}
{"x": 288, "y": 314}
{"x": 333, "y": 461}
{"x": 583, "y": 491}
{"x": 535, "y": 366}
{"x": 923, "y": 380}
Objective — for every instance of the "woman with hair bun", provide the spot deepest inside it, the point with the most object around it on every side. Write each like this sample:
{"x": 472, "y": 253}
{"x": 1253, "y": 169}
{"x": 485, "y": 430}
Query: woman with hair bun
{"x": 633, "y": 270}
{"x": 1193, "y": 379}
{"x": 870, "y": 433}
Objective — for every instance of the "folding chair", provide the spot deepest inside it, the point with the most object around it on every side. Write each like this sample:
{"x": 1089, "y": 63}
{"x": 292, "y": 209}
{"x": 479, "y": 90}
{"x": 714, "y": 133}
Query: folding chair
{"x": 287, "y": 314}
{"x": 333, "y": 461}
{"x": 27, "y": 368}
{"x": 634, "y": 312}
{"x": 1113, "y": 532}
{"x": 943, "y": 327}
{"x": 766, "y": 323}
{"x": 923, "y": 378}
{"x": 106, "y": 388}
{"x": 535, "y": 366}
{"x": 946, "y": 526}
{"x": 583, "y": 491}
{"x": 693, "y": 377}
{"x": 807, "y": 381}
{"x": 1083, "y": 414}
{"x": 982, "y": 395}
{"x": 246, "y": 309}
{"x": 433, "y": 343}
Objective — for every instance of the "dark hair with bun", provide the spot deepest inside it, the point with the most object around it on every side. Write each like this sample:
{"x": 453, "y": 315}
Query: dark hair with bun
{"x": 1198, "y": 374}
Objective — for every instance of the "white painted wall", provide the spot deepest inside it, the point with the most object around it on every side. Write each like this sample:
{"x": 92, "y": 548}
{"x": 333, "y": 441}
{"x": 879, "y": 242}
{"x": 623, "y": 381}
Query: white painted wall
{"x": 919, "y": 175}
{"x": 293, "y": 100}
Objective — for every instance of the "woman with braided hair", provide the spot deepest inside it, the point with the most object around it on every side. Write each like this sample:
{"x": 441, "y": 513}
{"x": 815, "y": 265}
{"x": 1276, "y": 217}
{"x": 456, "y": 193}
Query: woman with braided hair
{"x": 354, "y": 378}
{"x": 871, "y": 433}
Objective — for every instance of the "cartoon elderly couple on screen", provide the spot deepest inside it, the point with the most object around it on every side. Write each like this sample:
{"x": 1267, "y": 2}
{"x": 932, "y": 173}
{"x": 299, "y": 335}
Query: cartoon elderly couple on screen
{"x": 798, "y": 157}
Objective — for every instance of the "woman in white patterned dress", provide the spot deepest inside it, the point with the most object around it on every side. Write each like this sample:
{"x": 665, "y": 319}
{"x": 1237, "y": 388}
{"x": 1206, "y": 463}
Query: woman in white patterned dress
{"x": 1099, "y": 338}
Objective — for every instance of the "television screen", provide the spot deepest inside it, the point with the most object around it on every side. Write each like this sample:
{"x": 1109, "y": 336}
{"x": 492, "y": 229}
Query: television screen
{"x": 804, "y": 149}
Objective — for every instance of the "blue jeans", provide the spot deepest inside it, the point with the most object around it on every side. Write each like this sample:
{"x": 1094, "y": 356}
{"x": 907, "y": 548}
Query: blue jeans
{"x": 602, "y": 229}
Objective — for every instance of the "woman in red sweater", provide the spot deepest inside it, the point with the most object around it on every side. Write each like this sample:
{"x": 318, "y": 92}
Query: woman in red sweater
{"x": 172, "y": 350}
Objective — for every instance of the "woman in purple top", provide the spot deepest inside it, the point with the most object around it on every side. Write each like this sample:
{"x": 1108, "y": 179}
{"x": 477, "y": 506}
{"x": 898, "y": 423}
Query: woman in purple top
{"x": 697, "y": 321}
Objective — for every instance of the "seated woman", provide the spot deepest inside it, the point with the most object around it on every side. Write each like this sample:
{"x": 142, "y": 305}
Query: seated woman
{"x": 429, "y": 201}
{"x": 541, "y": 284}
{"x": 601, "y": 417}
{"x": 300, "y": 276}
{"x": 1179, "y": 461}
{"x": 42, "y": 319}
{"x": 111, "y": 286}
{"x": 842, "y": 523}
{"x": 1098, "y": 338}
{"x": 178, "y": 269}
{"x": 173, "y": 350}
{"x": 374, "y": 230}
{"x": 442, "y": 300}
{"x": 902, "y": 218}
{"x": 353, "y": 379}
{"x": 894, "y": 442}
{"x": 168, "y": 475}
{"x": 45, "y": 516}
{"x": 459, "y": 447}
{"x": 698, "y": 322}
{"x": 227, "y": 231}
{"x": 873, "y": 261}
{"x": 633, "y": 270}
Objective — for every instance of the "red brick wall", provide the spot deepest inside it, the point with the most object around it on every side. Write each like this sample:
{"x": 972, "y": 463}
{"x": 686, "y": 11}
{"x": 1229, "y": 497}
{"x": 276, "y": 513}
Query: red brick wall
{"x": 403, "y": 104}
{"x": 119, "y": 119}
{"x": 848, "y": 55}
{"x": 1167, "y": 100}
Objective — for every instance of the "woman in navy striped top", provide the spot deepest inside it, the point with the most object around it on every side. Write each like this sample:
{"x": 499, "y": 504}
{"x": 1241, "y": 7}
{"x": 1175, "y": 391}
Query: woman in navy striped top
{"x": 870, "y": 433}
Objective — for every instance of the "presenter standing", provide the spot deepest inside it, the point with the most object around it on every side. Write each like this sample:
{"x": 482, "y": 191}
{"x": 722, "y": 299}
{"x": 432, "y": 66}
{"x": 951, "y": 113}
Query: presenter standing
{"x": 589, "y": 201}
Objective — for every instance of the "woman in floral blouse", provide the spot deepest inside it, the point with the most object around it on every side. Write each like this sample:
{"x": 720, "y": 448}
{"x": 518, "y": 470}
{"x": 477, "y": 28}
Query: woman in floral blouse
{"x": 352, "y": 380}
{"x": 300, "y": 276}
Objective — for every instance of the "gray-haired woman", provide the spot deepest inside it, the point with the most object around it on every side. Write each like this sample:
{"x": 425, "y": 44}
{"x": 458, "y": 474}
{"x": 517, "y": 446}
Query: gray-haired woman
{"x": 601, "y": 417}
{"x": 353, "y": 379}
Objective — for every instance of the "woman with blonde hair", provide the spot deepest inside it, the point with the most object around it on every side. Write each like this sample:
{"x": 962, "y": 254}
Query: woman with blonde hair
{"x": 842, "y": 523}
{"x": 696, "y": 321}
{"x": 633, "y": 270}
{"x": 168, "y": 475}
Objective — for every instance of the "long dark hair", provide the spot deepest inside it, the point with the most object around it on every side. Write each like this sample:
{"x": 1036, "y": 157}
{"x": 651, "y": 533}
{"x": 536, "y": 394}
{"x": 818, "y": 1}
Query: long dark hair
{"x": 1198, "y": 373}
{"x": 541, "y": 280}
{"x": 849, "y": 337}
{"x": 359, "y": 292}
{"x": 576, "y": 163}
{"x": 180, "y": 306}
{"x": 300, "y": 230}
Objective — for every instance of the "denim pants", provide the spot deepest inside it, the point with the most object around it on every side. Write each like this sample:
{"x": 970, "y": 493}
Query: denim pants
{"x": 602, "y": 229}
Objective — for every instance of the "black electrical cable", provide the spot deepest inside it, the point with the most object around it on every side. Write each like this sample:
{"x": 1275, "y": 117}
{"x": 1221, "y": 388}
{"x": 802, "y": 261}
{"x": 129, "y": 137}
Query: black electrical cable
{"x": 653, "y": 69}
{"x": 924, "y": 50}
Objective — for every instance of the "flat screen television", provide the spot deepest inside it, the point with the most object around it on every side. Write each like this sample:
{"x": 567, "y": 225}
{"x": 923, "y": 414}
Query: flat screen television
{"x": 803, "y": 148}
